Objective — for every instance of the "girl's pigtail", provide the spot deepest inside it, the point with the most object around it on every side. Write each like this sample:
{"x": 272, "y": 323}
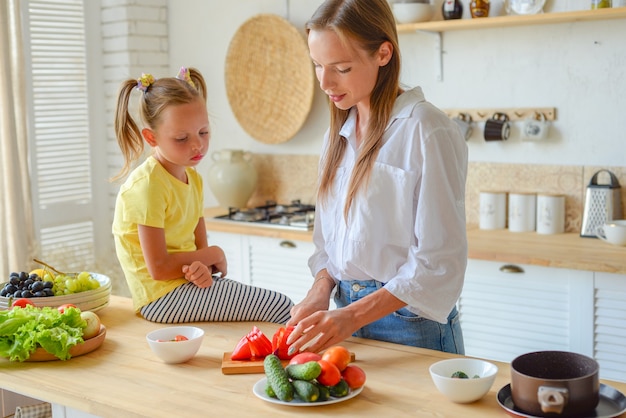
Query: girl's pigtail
{"x": 199, "y": 82}
{"x": 128, "y": 134}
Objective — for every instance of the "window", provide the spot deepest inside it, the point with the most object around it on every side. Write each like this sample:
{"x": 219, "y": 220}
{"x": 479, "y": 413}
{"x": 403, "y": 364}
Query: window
{"x": 63, "y": 134}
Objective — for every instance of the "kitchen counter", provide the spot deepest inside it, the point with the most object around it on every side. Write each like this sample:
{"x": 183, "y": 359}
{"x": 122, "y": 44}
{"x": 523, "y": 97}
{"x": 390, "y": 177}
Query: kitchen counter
{"x": 124, "y": 378}
{"x": 567, "y": 250}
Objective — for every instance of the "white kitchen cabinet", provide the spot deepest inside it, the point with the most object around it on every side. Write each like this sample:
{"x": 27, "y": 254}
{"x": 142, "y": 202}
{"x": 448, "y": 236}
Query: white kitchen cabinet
{"x": 506, "y": 314}
{"x": 610, "y": 325}
{"x": 235, "y": 247}
{"x": 272, "y": 263}
{"x": 281, "y": 265}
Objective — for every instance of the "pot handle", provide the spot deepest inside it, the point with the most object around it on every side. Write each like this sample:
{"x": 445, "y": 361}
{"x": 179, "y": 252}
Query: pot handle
{"x": 552, "y": 400}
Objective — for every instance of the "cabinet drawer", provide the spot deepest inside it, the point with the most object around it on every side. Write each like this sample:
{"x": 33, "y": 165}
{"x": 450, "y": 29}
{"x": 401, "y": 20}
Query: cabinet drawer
{"x": 505, "y": 314}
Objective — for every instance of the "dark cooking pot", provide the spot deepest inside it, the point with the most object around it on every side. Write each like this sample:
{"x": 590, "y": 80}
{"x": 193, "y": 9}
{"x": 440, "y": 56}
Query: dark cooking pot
{"x": 555, "y": 383}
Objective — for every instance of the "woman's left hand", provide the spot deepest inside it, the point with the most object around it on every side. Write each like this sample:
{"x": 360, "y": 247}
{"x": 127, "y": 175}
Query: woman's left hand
{"x": 324, "y": 328}
{"x": 198, "y": 274}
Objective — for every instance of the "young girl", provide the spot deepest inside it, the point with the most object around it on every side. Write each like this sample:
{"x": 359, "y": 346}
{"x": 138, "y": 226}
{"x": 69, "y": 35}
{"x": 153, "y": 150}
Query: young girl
{"x": 390, "y": 214}
{"x": 159, "y": 229}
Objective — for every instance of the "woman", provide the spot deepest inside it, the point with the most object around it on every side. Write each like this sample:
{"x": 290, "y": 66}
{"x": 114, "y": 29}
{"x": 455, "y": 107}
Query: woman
{"x": 390, "y": 217}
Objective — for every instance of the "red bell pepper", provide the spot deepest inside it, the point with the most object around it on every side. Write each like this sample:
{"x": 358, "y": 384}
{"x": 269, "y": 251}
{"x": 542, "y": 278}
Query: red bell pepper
{"x": 279, "y": 343}
{"x": 253, "y": 345}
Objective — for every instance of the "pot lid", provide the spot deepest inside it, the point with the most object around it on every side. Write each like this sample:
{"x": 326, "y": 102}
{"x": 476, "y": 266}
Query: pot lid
{"x": 269, "y": 78}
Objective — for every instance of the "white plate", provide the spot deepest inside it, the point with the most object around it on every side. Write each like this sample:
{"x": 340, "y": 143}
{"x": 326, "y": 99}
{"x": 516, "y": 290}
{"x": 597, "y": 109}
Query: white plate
{"x": 259, "y": 391}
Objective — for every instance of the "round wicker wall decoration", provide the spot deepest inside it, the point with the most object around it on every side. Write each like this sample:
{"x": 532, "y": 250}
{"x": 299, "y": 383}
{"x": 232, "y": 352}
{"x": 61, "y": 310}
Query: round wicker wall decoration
{"x": 269, "y": 78}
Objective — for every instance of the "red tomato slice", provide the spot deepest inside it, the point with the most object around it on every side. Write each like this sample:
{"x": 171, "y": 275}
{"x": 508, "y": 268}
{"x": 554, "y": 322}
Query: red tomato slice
{"x": 22, "y": 302}
{"x": 180, "y": 338}
{"x": 242, "y": 350}
{"x": 279, "y": 343}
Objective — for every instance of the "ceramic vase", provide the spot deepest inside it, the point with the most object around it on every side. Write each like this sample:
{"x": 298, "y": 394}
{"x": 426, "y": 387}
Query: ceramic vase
{"x": 232, "y": 178}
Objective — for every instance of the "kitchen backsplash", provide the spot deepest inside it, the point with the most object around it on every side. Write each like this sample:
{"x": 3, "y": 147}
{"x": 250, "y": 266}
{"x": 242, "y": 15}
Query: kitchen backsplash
{"x": 286, "y": 177}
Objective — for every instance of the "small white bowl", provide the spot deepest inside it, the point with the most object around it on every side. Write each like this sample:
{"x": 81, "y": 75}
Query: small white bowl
{"x": 171, "y": 352}
{"x": 413, "y": 12}
{"x": 463, "y": 390}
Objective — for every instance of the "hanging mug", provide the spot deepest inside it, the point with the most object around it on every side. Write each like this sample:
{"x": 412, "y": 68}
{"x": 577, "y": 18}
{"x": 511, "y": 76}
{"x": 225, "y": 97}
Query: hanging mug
{"x": 497, "y": 128}
{"x": 464, "y": 121}
{"x": 536, "y": 128}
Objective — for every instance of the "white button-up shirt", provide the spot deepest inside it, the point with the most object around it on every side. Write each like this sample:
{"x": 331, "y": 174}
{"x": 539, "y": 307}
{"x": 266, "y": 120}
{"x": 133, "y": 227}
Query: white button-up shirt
{"x": 407, "y": 229}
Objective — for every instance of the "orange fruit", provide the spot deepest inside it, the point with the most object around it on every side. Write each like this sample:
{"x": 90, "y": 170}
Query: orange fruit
{"x": 337, "y": 355}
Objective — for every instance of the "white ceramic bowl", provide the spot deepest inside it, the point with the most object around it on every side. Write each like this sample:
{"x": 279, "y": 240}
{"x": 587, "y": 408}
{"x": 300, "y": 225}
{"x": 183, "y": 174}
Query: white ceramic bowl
{"x": 160, "y": 341}
{"x": 463, "y": 390}
{"x": 413, "y": 12}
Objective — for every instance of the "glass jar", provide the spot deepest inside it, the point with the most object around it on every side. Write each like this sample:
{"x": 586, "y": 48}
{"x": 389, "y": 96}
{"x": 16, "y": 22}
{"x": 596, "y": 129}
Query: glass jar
{"x": 479, "y": 8}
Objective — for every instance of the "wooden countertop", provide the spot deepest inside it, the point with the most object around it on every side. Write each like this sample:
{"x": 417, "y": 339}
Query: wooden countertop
{"x": 562, "y": 250}
{"x": 124, "y": 378}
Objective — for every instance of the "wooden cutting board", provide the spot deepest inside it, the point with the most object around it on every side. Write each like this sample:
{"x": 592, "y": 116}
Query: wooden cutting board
{"x": 248, "y": 366}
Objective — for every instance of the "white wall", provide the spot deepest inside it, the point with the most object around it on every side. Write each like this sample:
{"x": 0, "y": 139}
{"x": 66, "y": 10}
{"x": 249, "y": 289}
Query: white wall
{"x": 578, "y": 68}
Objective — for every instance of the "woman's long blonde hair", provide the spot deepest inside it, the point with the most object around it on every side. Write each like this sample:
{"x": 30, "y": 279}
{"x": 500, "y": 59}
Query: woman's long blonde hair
{"x": 369, "y": 23}
{"x": 156, "y": 96}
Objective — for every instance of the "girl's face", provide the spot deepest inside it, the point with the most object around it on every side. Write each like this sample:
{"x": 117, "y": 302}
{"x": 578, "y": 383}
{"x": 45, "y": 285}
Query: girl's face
{"x": 346, "y": 72}
{"x": 182, "y": 137}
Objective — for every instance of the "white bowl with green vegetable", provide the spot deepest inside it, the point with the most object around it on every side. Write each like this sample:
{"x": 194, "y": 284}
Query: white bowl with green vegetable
{"x": 463, "y": 380}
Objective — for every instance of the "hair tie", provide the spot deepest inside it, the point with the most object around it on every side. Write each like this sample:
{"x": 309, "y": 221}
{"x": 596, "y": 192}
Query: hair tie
{"x": 145, "y": 81}
{"x": 183, "y": 74}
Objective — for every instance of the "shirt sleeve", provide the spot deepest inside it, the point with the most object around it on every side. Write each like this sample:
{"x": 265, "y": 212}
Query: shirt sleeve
{"x": 431, "y": 279}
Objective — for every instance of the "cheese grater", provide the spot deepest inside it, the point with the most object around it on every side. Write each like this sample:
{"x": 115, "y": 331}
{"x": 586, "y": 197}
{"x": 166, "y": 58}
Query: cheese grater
{"x": 603, "y": 203}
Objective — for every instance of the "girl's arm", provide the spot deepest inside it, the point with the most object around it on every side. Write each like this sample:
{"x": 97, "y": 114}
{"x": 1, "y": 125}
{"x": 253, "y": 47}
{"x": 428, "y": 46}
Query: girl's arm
{"x": 166, "y": 266}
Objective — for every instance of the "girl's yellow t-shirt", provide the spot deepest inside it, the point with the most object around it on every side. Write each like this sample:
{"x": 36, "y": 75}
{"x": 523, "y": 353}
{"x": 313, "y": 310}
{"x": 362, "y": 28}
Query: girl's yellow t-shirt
{"x": 153, "y": 197}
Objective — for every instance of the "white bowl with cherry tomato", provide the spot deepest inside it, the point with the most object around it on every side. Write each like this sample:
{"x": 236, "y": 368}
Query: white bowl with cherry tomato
{"x": 176, "y": 344}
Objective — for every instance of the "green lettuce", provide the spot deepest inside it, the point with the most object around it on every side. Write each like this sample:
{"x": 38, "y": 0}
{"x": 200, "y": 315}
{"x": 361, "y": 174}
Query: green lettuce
{"x": 23, "y": 330}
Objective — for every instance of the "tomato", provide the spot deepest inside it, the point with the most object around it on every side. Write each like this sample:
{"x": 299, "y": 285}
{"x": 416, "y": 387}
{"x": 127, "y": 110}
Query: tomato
{"x": 279, "y": 343}
{"x": 255, "y": 344}
{"x": 338, "y": 355}
{"x": 302, "y": 358}
{"x": 354, "y": 376}
{"x": 180, "y": 338}
{"x": 65, "y": 306}
{"x": 330, "y": 374}
{"x": 22, "y": 302}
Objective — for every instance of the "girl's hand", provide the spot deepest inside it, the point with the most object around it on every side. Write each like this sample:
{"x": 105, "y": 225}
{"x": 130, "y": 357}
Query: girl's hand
{"x": 198, "y": 274}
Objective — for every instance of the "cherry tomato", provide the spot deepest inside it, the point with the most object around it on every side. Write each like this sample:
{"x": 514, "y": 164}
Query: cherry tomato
{"x": 65, "y": 306}
{"x": 354, "y": 376}
{"x": 330, "y": 374}
{"x": 22, "y": 302}
{"x": 338, "y": 355}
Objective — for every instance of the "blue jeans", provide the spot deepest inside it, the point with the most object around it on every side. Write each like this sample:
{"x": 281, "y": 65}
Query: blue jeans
{"x": 403, "y": 326}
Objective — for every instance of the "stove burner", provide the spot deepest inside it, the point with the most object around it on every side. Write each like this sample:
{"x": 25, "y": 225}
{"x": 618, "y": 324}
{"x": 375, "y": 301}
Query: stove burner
{"x": 293, "y": 216}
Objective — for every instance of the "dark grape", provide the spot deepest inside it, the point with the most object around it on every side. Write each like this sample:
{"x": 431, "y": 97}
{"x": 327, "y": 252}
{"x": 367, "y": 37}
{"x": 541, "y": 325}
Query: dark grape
{"x": 27, "y": 294}
{"x": 23, "y": 275}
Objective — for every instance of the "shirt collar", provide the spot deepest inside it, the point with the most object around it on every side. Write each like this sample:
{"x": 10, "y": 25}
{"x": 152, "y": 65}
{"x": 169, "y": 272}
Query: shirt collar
{"x": 402, "y": 108}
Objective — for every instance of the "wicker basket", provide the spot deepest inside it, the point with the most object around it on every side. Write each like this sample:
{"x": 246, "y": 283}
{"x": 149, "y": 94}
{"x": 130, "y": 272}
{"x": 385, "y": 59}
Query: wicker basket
{"x": 269, "y": 78}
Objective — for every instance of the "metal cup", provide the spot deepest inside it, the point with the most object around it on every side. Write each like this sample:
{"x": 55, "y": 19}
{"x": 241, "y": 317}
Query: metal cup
{"x": 464, "y": 120}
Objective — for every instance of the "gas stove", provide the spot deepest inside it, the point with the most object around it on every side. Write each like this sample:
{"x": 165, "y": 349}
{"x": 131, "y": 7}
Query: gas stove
{"x": 294, "y": 216}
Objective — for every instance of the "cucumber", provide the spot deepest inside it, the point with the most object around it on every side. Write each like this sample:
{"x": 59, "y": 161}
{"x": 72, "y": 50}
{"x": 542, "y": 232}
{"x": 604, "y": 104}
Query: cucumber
{"x": 269, "y": 391}
{"x": 324, "y": 392}
{"x": 306, "y": 390}
{"x": 305, "y": 371}
{"x": 340, "y": 390}
{"x": 277, "y": 378}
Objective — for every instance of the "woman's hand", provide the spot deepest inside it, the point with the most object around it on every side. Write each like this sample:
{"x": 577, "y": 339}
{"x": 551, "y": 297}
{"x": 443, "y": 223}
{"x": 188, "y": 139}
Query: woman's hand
{"x": 198, "y": 274}
{"x": 321, "y": 330}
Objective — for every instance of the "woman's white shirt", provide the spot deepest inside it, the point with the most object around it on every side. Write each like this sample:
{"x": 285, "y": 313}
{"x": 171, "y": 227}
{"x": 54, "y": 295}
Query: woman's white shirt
{"x": 407, "y": 228}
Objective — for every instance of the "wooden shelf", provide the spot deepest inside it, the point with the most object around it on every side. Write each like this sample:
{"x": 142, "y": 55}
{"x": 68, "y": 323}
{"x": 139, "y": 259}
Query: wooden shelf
{"x": 509, "y": 21}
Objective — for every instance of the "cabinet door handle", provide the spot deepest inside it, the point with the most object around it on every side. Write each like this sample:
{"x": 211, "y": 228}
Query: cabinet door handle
{"x": 287, "y": 244}
{"x": 511, "y": 268}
